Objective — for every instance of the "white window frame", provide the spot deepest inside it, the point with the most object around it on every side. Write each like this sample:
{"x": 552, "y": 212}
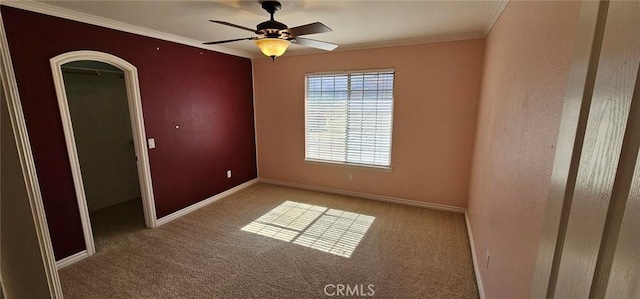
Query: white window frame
{"x": 347, "y": 164}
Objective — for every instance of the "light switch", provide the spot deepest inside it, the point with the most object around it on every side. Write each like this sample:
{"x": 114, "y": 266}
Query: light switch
{"x": 152, "y": 143}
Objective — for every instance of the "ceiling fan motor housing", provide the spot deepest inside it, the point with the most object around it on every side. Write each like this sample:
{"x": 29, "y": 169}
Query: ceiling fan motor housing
{"x": 272, "y": 28}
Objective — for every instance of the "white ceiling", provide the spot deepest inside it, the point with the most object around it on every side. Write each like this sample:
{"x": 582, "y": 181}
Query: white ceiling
{"x": 355, "y": 24}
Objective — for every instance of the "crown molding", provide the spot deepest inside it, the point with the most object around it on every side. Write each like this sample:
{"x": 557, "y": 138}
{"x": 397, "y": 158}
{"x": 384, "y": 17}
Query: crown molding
{"x": 51, "y": 10}
{"x": 496, "y": 12}
{"x": 389, "y": 44}
{"x": 416, "y": 41}
{"x": 73, "y": 15}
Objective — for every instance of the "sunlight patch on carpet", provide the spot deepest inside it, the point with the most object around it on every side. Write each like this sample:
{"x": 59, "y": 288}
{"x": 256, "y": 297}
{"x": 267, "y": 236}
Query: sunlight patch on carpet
{"x": 329, "y": 230}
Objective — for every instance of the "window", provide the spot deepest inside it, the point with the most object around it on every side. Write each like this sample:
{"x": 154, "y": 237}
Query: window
{"x": 349, "y": 117}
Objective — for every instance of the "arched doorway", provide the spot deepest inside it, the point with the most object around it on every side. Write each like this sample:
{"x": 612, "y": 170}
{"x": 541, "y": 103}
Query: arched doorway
{"x": 138, "y": 139}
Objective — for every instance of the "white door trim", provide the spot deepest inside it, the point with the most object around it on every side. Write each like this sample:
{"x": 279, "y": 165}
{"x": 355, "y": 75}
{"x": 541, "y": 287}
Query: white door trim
{"x": 137, "y": 126}
{"x": 21, "y": 135}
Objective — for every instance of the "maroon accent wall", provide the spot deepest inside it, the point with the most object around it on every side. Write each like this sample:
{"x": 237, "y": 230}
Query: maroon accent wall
{"x": 207, "y": 94}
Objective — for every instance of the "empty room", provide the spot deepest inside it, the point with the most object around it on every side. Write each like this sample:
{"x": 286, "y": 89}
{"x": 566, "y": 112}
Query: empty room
{"x": 320, "y": 149}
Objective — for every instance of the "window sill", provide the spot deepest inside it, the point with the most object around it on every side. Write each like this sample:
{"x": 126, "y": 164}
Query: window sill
{"x": 350, "y": 165}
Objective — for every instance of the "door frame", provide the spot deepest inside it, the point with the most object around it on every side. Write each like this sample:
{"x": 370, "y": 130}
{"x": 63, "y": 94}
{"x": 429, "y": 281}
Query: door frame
{"x": 139, "y": 140}
{"x": 29, "y": 173}
{"x": 586, "y": 208}
{"x": 573, "y": 128}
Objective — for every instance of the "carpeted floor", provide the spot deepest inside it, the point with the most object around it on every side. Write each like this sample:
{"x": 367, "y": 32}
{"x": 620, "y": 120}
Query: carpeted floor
{"x": 275, "y": 242}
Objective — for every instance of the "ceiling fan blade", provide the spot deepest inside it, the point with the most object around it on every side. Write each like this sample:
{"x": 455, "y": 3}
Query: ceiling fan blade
{"x": 228, "y": 41}
{"x": 233, "y": 25}
{"x": 312, "y": 28}
{"x": 315, "y": 44}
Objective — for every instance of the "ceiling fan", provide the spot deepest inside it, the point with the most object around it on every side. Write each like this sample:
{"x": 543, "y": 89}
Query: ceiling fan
{"x": 273, "y": 38}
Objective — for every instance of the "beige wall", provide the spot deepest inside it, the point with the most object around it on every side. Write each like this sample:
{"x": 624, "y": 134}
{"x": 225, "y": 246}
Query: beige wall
{"x": 528, "y": 53}
{"x": 102, "y": 128}
{"x": 436, "y": 94}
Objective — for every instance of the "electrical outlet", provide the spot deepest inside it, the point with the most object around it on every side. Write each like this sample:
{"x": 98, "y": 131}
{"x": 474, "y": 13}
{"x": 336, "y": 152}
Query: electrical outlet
{"x": 488, "y": 256}
{"x": 228, "y": 173}
{"x": 350, "y": 176}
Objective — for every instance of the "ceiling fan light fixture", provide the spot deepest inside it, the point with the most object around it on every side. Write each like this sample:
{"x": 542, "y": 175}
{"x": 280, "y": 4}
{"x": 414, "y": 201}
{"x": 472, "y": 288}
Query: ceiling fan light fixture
{"x": 273, "y": 47}
{"x": 273, "y": 38}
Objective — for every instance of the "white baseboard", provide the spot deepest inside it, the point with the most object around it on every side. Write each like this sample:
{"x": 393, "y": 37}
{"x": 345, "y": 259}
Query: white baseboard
{"x": 203, "y": 203}
{"x": 72, "y": 259}
{"x": 112, "y": 202}
{"x": 397, "y": 201}
{"x": 401, "y": 201}
{"x": 476, "y": 268}
{"x": 84, "y": 254}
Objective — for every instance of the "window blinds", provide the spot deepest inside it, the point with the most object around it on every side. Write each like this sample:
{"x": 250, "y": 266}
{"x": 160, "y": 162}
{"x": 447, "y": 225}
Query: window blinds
{"x": 349, "y": 117}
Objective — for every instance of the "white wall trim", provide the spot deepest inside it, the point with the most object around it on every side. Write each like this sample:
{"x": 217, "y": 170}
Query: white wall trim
{"x": 200, "y": 204}
{"x": 414, "y": 203}
{"x": 14, "y": 105}
{"x": 114, "y": 201}
{"x": 72, "y": 259}
{"x": 496, "y": 12}
{"x": 255, "y": 113}
{"x": 476, "y": 268}
{"x": 56, "y": 11}
{"x": 137, "y": 126}
{"x": 403, "y": 42}
{"x": 401, "y": 201}
{"x": 73, "y": 15}
{"x": 388, "y": 44}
